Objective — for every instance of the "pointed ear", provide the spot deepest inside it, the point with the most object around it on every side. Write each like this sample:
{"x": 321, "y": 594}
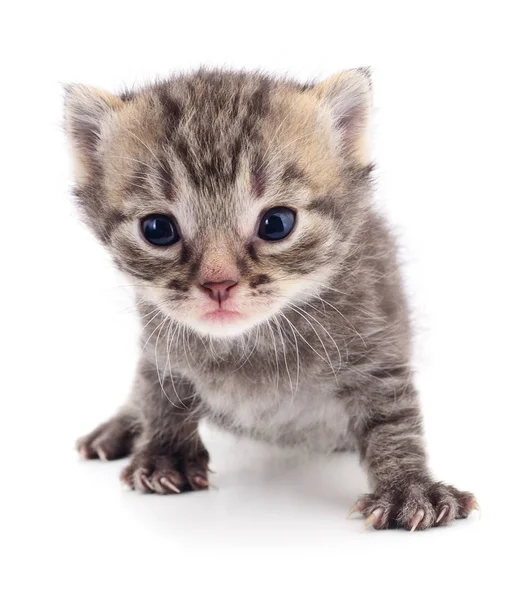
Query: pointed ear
{"x": 85, "y": 110}
{"x": 347, "y": 95}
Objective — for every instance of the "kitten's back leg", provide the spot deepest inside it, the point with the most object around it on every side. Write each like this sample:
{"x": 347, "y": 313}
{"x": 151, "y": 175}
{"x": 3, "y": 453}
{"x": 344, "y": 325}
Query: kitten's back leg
{"x": 113, "y": 439}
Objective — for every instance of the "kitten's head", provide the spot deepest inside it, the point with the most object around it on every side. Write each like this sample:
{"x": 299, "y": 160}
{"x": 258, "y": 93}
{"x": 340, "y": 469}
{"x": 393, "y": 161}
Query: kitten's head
{"x": 224, "y": 196}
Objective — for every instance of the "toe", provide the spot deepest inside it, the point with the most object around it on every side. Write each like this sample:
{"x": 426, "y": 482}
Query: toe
{"x": 83, "y": 451}
{"x": 196, "y": 473}
{"x": 475, "y": 506}
{"x": 443, "y": 512}
{"x": 101, "y": 453}
{"x": 416, "y": 520}
{"x": 356, "y": 508}
{"x": 463, "y": 502}
{"x": 168, "y": 482}
{"x": 198, "y": 480}
{"x": 375, "y": 519}
{"x": 141, "y": 481}
{"x": 86, "y": 450}
{"x": 126, "y": 477}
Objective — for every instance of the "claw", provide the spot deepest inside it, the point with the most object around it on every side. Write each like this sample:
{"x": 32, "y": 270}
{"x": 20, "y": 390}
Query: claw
{"x": 200, "y": 481}
{"x": 146, "y": 482}
{"x": 354, "y": 509}
{"x": 169, "y": 484}
{"x": 475, "y": 506}
{"x": 373, "y": 518}
{"x": 102, "y": 454}
{"x": 441, "y": 514}
{"x": 419, "y": 516}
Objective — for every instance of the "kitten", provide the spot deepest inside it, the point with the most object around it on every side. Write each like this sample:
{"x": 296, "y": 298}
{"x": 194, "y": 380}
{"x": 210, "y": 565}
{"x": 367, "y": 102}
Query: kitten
{"x": 240, "y": 207}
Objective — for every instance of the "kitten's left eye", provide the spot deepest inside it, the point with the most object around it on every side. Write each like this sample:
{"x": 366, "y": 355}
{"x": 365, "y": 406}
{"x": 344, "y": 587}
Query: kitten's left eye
{"x": 159, "y": 230}
{"x": 276, "y": 224}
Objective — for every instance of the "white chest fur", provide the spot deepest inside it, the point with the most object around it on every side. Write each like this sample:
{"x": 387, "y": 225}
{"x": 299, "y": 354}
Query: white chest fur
{"x": 311, "y": 417}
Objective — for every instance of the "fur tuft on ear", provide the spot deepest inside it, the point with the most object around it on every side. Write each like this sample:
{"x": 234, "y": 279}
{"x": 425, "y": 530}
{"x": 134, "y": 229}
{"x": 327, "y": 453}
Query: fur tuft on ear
{"x": 85, "y": 111}
{"x": 347, "y": 95}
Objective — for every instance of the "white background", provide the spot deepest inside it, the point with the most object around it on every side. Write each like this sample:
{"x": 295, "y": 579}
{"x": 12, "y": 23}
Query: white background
{"x": 451, "y": 139}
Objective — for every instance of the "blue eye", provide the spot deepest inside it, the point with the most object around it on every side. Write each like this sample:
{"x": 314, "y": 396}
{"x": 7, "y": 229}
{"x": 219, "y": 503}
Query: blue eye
{"x": 159, "y": 230}
{"x": 276, "y": 224}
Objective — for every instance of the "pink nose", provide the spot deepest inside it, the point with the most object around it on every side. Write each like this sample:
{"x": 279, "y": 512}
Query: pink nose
{"x": 218, "y": 290}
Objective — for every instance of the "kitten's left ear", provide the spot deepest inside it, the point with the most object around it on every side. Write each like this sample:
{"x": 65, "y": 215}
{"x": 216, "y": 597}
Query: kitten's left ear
{"x": 86, "y": 113}
{"x": 347, "y": 95}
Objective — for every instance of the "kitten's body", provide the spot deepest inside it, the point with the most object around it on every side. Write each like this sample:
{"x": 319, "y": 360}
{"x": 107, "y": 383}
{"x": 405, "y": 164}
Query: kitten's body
{"x": 284, "y": 382}
{"x": 319, "y": 354}
{"x": 261, "y": 398}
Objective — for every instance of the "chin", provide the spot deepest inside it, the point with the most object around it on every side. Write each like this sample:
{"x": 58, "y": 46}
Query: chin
{"x": 225, "y": 323}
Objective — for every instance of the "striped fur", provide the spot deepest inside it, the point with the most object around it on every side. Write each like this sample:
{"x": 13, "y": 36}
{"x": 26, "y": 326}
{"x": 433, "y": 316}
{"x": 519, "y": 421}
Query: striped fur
{"x": 321, "y": 358}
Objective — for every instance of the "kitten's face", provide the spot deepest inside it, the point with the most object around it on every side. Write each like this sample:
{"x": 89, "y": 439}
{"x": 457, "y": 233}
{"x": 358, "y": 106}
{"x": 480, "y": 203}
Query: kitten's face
{"x": 223, "y": 197}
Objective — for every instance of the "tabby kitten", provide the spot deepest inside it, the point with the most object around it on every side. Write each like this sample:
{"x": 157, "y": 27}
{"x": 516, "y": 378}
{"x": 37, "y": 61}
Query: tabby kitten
{"x": 239, "y": 205}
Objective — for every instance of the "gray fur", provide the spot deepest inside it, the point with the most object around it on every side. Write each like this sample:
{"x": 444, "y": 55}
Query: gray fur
{"x": 323, "y": 361}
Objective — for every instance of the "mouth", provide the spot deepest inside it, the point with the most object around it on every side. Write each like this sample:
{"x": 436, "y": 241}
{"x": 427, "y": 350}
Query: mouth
{"x": 222, "y": 316}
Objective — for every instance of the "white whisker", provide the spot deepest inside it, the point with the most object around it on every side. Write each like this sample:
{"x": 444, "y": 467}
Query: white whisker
{"x": 326, "y": 331}
{"x": 297, "y": 348}
{"x": 328, "y": 358}
{"x": 276, "y": 355}
{"x": 284, "y": 355}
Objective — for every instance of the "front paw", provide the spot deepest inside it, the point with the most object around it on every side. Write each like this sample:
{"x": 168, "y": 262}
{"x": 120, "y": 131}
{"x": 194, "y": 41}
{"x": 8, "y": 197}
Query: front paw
{"x": 111, "y": 440}
{"x": 166, "y": 473}
{"x": 418, "y": 505}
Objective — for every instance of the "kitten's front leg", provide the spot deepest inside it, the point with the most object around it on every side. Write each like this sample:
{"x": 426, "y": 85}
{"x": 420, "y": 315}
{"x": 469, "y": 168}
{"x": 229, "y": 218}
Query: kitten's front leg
{"x": 169, "y": 456}
{"x": 391, "y": 445}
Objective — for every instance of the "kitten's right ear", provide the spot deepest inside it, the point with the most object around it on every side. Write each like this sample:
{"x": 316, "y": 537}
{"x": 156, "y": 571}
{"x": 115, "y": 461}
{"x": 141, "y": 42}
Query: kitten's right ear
{"x": 85, "y": 111}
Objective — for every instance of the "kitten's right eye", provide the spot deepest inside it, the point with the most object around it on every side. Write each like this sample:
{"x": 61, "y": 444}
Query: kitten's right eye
{"x": 160, "y": 230}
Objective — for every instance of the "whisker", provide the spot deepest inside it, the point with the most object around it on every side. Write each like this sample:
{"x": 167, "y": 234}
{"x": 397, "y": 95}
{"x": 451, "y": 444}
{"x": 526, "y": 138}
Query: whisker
{"x": 304, "y": 339}
{"x": 297, "y": 348}
{"x": 169, "y": 352}
{"x": 162, "y": 388}
{"x": 346, "y": 320}
{"x": 284, "y": 354}
{"x": 328, "y": 359}
{"x": 256, "y": 341}
{"x": 326, "y": 331}
{"x": 276, "y": 355}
